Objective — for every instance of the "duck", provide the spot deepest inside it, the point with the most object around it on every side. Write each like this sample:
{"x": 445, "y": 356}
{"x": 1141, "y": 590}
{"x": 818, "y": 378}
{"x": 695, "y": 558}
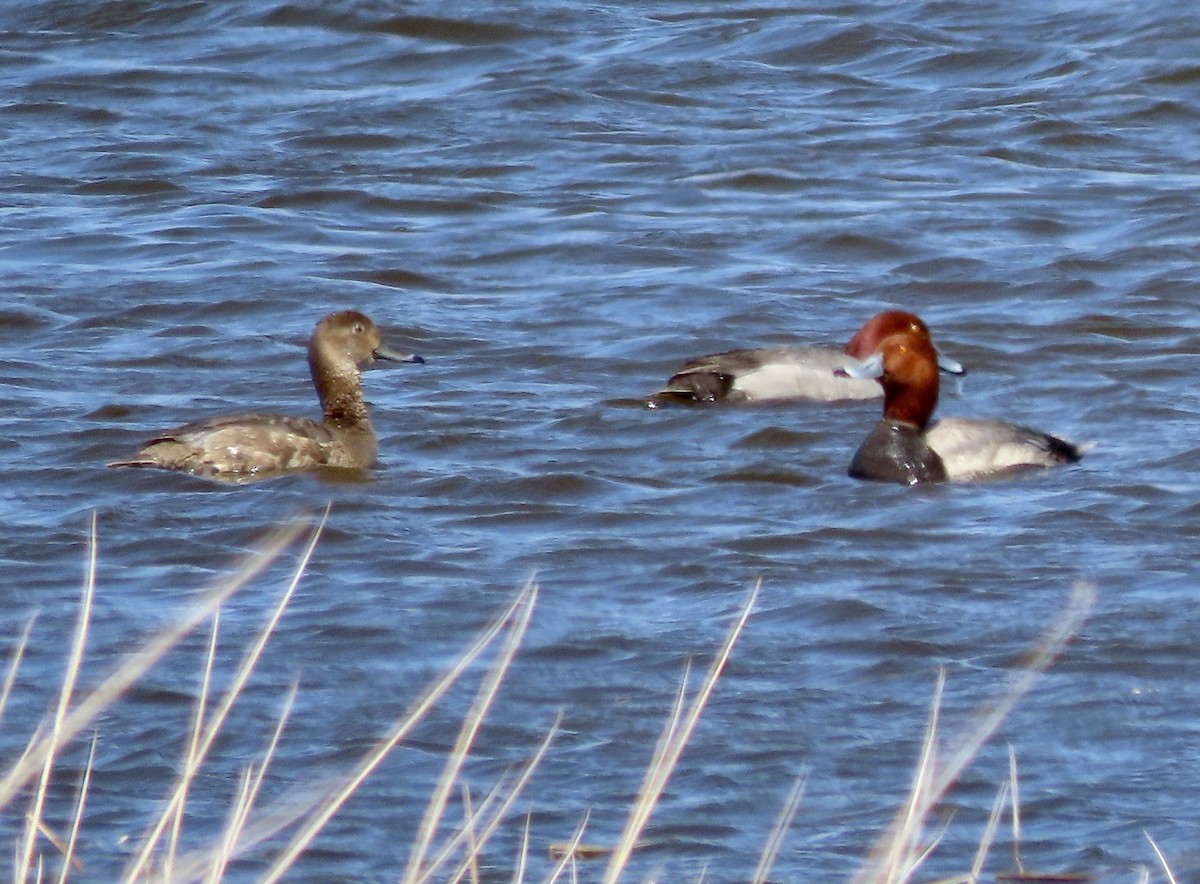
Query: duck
{"x": 790, "y": 373}
{"x": 903, "y": 447}
{"x": 241, "y": 448}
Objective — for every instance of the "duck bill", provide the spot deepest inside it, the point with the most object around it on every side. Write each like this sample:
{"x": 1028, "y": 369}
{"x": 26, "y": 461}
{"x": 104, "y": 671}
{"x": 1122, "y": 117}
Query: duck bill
{"x": 869, "y": 368}
{"x": 950, "y": 366}
{"x": 391, "y": 355}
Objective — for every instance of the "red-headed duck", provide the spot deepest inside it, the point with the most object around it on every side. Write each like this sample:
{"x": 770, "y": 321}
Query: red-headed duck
{"x": 781, "y": 373}
{"x": 245, "y": 447}
{"x": 904, "y": 448}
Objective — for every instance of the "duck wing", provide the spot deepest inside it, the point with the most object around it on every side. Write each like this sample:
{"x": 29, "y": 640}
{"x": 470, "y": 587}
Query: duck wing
{"x": 974, "y": 449}
{"x": 766, "y": 374}
{"x": 237, "y": 447}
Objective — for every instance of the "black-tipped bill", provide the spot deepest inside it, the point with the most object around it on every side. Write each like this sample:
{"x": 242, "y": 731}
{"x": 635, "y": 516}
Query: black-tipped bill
{"x": 871, "y": 367}
{"x": 950, "y": 366}
{"x": 382, "y": 352}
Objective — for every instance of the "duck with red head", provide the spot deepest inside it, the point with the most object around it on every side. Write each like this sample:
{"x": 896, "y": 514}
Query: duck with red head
{"x": 904, "y": 448}
{"x": 790, "y": 373}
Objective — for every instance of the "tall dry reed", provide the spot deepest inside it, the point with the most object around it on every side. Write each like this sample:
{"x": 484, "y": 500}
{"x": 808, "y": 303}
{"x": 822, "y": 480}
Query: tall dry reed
{"x": 441, "y": 851}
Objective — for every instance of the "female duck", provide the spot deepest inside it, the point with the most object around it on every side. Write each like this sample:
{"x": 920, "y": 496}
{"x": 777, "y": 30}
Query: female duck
{"x": 903, "y": 448}
{"x": 781, "y": 373}
{"x": 245, "y": 447}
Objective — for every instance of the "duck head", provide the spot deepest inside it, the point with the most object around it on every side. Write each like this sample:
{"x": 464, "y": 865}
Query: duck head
{"x": 906, "y": 366}
{"x": 895, "y": 322}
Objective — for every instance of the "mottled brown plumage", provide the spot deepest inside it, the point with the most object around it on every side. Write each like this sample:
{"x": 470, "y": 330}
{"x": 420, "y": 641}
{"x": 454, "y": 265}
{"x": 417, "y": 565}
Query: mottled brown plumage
{"x": 245, "y": 447}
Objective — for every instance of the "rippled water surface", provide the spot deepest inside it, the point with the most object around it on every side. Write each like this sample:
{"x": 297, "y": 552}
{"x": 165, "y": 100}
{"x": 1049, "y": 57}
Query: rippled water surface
{"x": 556, "y": 204}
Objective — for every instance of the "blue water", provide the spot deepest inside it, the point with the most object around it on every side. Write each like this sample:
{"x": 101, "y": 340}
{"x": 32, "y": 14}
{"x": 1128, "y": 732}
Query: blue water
{"x": 556, "y": 204}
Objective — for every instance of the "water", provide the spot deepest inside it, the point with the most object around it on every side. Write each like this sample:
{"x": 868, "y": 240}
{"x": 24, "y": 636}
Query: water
{"x": 556, "y": 204}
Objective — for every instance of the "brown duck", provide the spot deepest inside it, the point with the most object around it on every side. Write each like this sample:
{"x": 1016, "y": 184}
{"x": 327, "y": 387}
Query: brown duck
{"x": 247, "y": 447}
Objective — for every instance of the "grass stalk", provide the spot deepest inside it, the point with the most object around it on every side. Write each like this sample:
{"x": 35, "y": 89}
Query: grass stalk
{"x": 523, "y": 856}
{"x": 219, "y": 858}
{"x": 892, "y": 860}
{"x": 568, "y": 855}
{"x": 192, "y": 758}
{"x": 1014, "y": 791}
{"x": 484, "y": 698}
{"x": 989, "y": 831}
{"x": 905, "y": 850}
{"x": 69, "y": 861}
{"x": 255, "y": 775}
{"x": 775, "y": 842}
{"x": 471, "y": 865}
{"x": 328, "y": 805}
{"x": 897, "y": 856}
{"x": 675, "y": 737}
{"x": 510, "y": 793}
{"x": 14, "y": 664}
{"x": 1162, "y": 860}
{"x": 56, "y": 737}
{"x": 213, "y": 728}
{"x": 140, "y": 662}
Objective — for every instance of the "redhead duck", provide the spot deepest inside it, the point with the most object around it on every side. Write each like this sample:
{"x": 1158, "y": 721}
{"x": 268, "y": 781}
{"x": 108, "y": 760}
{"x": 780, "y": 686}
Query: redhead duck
{"x": 904, "y": 448}
{"x": 246, "y": 447}
{"x": 781, "y": 373}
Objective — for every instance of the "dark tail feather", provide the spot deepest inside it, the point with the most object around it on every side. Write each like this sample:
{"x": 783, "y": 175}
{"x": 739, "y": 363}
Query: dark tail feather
{"x": 693, "y": 387}
{"x": 1064, "y": 451}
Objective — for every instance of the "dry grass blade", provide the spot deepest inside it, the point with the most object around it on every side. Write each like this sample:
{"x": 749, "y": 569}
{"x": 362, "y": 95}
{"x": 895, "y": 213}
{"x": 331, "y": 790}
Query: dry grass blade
{"x": 57, "y": 737}
{"x": 1048, "y": 647}
{"x": 213, "y": 728}
{"x": 69, "y": 861}
{"x": 50, "y": 835}
{"x": 139, "y": 663}
{"x": 466, "y": 835}
{"x": 510, "y": 796}
{"x": 905, "y": 850}
{"x": 472, "y": 862}
{"x": 324, "y": 809}
{"x": 192, "y": 758}
{"x": 568, "y": 857}
{"x": 775, "y": 842}
{"x": 989, "y": 832}
{"x": 892, "y": 860}
{"x": 1162, "y": 860}
{"x": 523, "y": 857}
{"x": 1016, "y": 808}
{"x": 15, "y": 664}
{"x": 218, "y": 860}
{"x": 249, "y": 793}
{"x": 679, "y": 730}
{"x": 462, "y": 746}
{"x": 917, "y": 859}
{"x": 260, "y": 827}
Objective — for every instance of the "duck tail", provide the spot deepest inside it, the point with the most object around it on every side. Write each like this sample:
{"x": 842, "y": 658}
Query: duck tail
{"x": 693, "y": 386}
{"x": 1066, "y": 452}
